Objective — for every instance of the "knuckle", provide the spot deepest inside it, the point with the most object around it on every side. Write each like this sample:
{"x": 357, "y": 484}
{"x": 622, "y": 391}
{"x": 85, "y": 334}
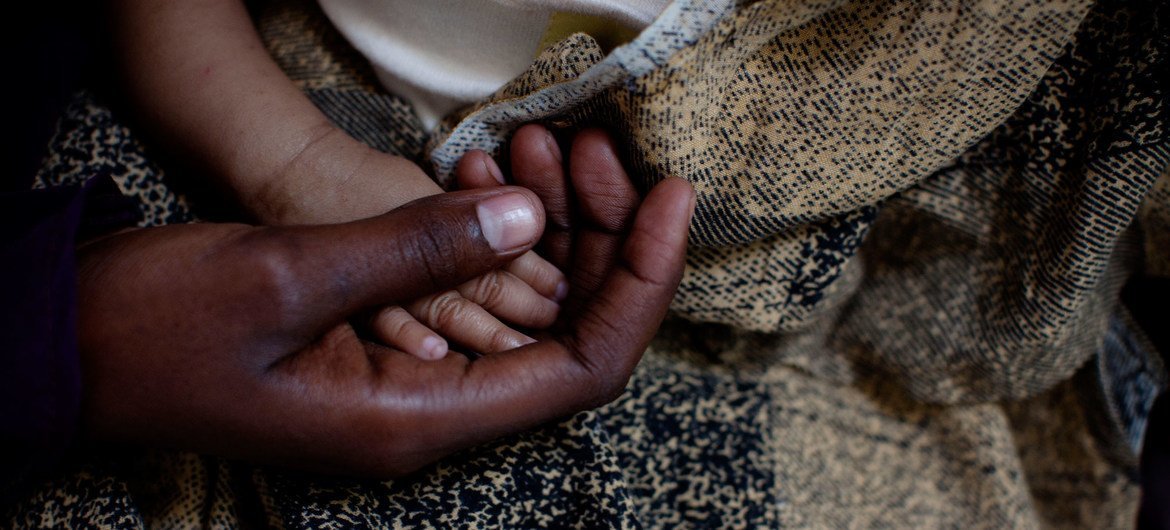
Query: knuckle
{"x": 591, "y": 277}
{"x": 443, "y": 310}
{"x": 489, "y": 290}
{"x": 546, "y": 317}
{"x": 393, "y": 321}
{"x": 654, "y": 269}
{"x": 536, "y": 271}
{"x": 435, "y": 250}
{"x": 501, "y": 339}
{"x": 609, "y": 210}
{"x": 270, "y": 258}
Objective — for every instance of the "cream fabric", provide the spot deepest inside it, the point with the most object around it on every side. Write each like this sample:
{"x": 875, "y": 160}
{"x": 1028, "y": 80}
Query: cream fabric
{"x": 443, "y": 54}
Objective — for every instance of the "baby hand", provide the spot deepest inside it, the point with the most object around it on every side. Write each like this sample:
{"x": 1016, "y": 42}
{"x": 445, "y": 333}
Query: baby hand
{"x": 528, "y": 291}
{"x": 480, "y": 316}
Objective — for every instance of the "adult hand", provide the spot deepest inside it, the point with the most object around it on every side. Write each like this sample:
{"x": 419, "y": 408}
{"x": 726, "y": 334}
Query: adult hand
{"x": 234, "y": 340}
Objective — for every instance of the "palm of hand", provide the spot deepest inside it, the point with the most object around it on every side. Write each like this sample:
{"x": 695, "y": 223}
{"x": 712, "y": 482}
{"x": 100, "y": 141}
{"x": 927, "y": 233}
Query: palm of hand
{"x": 235, "y": 340}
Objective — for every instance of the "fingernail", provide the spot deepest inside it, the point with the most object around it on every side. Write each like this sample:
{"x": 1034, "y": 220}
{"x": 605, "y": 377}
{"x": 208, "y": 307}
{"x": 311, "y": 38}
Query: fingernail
{"x": 507, "y": 221}
{"x": 434, "y": 348}
{"x": 551, "y": 144}
{"x": 562, "y": 291}
{"x": 493, "y": 169}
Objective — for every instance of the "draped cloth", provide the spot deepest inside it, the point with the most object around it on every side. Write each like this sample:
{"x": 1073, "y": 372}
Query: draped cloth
{"x": 901, "y": 302}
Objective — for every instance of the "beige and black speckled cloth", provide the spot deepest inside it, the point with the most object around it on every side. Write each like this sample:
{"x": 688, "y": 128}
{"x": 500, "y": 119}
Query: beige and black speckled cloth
{"x": 901, "y": 301}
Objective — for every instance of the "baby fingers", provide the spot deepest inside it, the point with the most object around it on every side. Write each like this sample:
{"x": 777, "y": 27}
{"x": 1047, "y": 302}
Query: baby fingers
{"x": 544, "y": 277}
{"x": 514, "y": 300}
{"x": 467, "y": 323}
{"x": 396, "y": 328}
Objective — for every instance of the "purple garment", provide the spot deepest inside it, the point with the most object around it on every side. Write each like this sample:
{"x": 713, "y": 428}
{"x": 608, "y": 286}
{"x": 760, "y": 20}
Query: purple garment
{"x": 1155, "y": 468}
{"x": 40, "y": 373}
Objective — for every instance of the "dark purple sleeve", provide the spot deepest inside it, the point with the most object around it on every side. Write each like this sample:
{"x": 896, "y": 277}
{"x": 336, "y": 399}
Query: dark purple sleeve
{"x": 40, "y": 376}
{"x": 1155, "y": 468}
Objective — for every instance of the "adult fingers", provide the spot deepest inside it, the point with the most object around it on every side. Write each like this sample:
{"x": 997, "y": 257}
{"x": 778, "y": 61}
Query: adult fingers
{"x": 324, "y": 274}
{"x": 391, "y": 414}
{"x": 472, "y": 402}
{"x": 643, "y": 282}
{"x": 606, "y": 202}
{"x": 537, "y": 165}
{"x": 478, "y": 170}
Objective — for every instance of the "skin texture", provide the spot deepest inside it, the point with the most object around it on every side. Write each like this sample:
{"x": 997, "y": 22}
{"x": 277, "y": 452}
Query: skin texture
{"x": 235, "y": 340}
{"x": 201, "y": 82}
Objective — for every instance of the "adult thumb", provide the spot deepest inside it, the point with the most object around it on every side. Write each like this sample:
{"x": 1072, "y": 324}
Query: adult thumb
{"x": 429, "y": 245}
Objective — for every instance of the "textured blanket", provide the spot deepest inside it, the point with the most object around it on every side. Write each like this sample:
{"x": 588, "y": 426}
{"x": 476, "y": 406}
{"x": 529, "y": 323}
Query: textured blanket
{"x": 901, "y": 301}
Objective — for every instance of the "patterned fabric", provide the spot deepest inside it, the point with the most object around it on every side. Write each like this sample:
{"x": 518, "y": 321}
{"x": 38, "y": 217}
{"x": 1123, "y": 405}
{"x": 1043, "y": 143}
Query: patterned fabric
{"x": 793, "y": 158}
{"x": 692, "y": 444}
{"x": 900, "y": 307}
{"x": 1155, "y": 219}
{"x": 785, "y": 115}
{"x": 90, "y": 141}
{"x": 1127, "y": 376}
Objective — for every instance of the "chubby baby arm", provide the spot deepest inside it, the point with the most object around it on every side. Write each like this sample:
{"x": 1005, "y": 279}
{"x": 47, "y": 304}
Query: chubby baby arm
{"x": 201, "y": 82}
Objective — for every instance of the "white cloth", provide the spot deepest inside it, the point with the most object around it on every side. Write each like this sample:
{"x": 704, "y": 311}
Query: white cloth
{"x": 442, "y": 54}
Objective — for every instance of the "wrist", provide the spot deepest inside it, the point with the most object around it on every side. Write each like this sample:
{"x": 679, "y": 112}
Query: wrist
{"x": 333, "y": 178}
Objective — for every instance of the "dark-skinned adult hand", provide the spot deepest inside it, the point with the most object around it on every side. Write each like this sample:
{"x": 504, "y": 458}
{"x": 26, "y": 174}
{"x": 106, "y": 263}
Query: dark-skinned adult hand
{"x": 234, "y": 340}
